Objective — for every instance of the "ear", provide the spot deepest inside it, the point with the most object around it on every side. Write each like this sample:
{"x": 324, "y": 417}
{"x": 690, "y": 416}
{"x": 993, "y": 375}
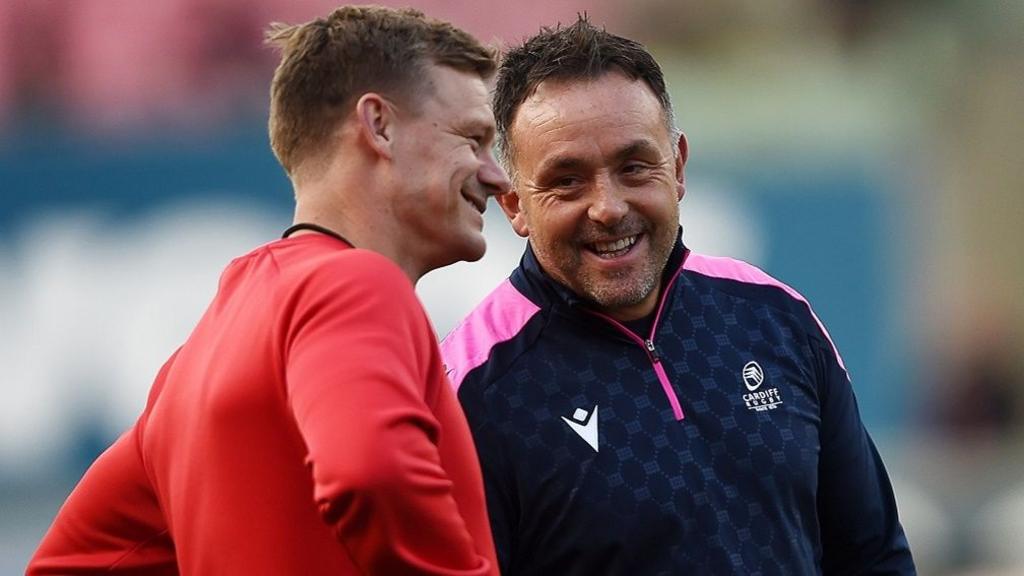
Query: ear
{"x": 511, "y": 205}
{"x": 684, "y": 152}
{"x": 376, "y": 122}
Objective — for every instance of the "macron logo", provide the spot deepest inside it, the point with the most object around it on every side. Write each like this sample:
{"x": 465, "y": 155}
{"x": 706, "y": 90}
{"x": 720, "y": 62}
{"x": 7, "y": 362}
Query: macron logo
{"x": 585, "y": 425}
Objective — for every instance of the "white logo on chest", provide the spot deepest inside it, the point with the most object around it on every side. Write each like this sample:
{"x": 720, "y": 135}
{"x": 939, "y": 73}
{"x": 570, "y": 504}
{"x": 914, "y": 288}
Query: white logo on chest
{"x": 753, "y": 376}
{"x": 759, "y": 401}
{"x": 584, "y": 424}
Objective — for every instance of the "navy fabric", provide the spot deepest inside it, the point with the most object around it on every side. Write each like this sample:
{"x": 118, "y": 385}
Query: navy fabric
{"x": 782, "y": 479}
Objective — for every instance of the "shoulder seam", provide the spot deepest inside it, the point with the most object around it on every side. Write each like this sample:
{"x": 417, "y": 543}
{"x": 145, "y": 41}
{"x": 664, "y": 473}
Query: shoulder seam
{"x": 732, "y": 292}
{"x": 486, "y": 385}
{"x": 818, "y": 332}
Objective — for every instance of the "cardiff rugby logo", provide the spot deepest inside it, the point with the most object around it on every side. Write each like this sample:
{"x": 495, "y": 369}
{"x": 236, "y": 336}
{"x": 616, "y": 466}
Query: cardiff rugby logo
{"x": 758, "y": 400}
{"x": 753, "y": 376}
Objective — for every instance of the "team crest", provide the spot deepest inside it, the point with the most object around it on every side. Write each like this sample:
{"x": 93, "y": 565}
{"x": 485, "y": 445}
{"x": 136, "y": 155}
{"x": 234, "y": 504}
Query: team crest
{"x": 757, "y": 399}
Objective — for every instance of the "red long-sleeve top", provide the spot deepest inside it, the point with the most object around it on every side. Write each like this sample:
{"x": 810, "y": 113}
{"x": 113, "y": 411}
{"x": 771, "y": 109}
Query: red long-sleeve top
{"x": 305, "y": 427}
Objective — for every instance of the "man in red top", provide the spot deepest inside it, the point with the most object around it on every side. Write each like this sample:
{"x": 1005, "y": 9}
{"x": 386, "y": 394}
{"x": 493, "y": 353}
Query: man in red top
{"x": 306, "y": 426}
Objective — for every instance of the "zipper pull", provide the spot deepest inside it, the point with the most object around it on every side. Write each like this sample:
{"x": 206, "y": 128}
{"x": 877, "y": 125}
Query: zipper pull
{"x": 650, "y": 349}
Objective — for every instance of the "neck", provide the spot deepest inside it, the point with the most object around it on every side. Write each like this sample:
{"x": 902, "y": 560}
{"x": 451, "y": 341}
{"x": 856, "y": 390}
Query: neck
{"x": 636, "y": 311}
{"x": 362, "y": 227}
{"x": 299, "y": 228}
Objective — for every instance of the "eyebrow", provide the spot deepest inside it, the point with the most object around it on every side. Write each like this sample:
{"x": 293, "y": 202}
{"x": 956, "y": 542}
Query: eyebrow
{"x": 561, "y": 163}
{"x": 479, "y": 125}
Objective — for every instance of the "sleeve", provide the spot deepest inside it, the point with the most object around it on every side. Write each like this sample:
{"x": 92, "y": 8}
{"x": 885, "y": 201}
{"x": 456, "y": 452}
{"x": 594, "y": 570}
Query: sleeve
{"x": 860, "y": 528}
{"x": 111, "y": 522}
{"x": 357, "y": 357}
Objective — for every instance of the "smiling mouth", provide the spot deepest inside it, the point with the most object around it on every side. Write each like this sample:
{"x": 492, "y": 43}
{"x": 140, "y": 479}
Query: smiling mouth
{"x": 479, "y": 203}
{"x": 615, "y": 248}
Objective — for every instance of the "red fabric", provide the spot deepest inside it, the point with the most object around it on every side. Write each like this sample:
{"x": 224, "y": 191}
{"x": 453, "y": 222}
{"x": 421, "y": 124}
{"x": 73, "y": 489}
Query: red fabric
{"x": 306, "y": 427}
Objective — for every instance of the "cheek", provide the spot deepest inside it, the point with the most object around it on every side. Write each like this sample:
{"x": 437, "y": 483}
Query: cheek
{"x": 457, "y": 174}
{"x": 554, "y": 227}
{"x": 660, "y": 204}
{"x": 464, "y": 162}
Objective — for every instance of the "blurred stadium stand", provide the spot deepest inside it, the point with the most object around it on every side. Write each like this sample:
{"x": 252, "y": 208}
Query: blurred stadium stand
{"x": 866, "y": 152}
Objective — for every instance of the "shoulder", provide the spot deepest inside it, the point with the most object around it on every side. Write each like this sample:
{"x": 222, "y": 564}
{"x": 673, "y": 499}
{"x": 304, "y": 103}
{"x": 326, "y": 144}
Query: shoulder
{"x": 322, "y": 264}
{"x": 318, "y": 278}
{"x": 743, "y": 280}
{"x": 365, "y": 268}
{"x": 506, "y": 321}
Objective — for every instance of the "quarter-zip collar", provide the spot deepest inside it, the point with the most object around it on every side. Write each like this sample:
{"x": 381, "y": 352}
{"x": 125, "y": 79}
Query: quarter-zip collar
{"x": 547, "y": 293}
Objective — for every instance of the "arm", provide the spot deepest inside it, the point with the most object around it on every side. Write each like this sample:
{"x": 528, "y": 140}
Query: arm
{"x": 361, "y": 382}
{"x": 498, "y": 486}
{"x": 110, "y": 523}
{"x": 860, "y": 529}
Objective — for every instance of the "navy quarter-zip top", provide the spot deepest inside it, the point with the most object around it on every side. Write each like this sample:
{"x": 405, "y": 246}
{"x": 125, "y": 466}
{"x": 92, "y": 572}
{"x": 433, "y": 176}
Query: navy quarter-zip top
{"x": 727, "y": 440}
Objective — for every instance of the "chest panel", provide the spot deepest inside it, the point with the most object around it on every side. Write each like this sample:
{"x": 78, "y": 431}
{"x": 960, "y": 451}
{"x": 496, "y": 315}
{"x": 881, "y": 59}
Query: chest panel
{"x": 731, "y": 486}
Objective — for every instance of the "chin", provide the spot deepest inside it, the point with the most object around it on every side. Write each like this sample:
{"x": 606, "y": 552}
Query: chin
{"x": 618, "y": 296}
{"x": 469, "y": 251}
{"x": 476, "y": 254}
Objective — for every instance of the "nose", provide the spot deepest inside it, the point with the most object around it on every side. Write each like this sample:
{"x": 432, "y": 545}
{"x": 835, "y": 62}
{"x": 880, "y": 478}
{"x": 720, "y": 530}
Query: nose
{"x": 493, "y": 176}
{"x": 608, "y": 207}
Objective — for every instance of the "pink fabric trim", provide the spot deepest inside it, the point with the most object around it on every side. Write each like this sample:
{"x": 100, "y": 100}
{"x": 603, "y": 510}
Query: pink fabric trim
{"x": 666, "y": 384}
{"x": 673, "y": 400}
{"x": 718, "y": 267}
{"x": 664, "y": 296}
{"x": 498, "y": 318}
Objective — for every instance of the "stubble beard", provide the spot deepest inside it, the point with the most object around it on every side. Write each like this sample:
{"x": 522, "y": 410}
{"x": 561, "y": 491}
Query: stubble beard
{"x": 627, "y": 287}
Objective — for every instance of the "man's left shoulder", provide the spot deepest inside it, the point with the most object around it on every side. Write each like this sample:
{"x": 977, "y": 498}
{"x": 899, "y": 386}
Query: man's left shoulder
{"x": 744, "y": 280}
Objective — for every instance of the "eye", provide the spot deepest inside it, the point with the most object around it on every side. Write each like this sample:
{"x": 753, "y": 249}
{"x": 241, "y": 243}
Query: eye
{"x": 636, "y": 173}
{"x": 566, "y": 181}
{"x": 477, "y": 142}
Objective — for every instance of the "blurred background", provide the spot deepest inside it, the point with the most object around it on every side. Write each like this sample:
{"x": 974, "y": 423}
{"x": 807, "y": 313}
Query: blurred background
{"x": 867, "y": 152}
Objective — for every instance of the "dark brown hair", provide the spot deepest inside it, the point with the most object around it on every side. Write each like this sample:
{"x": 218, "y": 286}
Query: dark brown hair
{"x": 327, "y": 64}
{"x": 576, "y": 52}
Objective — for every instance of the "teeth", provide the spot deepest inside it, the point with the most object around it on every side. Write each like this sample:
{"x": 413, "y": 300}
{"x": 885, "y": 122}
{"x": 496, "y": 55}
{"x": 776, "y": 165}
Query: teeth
{"x": 603, "y": 247}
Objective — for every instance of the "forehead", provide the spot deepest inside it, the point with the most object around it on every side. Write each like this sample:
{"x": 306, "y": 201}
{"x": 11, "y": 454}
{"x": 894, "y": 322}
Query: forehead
{"x": 455, "y": 95}
{"x": 600, "y": 111}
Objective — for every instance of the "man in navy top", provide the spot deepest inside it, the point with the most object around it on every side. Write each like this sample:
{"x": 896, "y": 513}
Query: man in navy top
{"x": 639, "y": 408}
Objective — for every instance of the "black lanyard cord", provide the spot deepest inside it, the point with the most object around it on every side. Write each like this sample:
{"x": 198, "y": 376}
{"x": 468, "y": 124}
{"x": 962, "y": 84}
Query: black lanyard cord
{"x": 316, "y": 228}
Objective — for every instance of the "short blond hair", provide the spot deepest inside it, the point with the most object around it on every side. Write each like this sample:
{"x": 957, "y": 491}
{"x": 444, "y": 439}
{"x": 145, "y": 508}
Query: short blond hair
{"x": 327, "y": 64}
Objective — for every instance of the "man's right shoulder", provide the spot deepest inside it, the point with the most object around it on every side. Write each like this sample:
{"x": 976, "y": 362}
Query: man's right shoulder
{"x": 322, "y": 267}
{"x": 296, "y": 258}
{"x": 491, "y": 337}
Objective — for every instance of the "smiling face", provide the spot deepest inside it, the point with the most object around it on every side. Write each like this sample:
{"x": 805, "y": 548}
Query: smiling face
{"x": 446, "y": 169}
{"x": 597, "y": 185}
